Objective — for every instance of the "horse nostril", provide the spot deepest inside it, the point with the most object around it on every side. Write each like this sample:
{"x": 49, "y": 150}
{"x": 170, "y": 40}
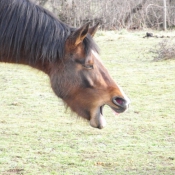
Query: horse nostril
{"x": 119, "y": 101}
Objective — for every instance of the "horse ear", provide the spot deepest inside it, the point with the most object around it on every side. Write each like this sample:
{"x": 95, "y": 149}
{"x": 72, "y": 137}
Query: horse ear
{"x": 78, "y": 35}
{"x": 93, "y": 29}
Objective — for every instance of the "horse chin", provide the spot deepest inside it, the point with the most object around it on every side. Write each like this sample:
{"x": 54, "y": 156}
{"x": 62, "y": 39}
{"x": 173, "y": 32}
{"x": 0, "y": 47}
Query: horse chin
{"x": 98, "y": 120}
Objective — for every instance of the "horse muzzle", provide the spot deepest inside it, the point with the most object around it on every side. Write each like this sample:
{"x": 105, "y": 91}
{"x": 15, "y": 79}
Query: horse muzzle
{"x": 118, "y": 105}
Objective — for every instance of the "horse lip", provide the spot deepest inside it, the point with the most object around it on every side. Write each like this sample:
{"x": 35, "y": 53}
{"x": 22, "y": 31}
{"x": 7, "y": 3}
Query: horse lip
{"x": 98, "y": 120}
{"x": 117, "y": 110}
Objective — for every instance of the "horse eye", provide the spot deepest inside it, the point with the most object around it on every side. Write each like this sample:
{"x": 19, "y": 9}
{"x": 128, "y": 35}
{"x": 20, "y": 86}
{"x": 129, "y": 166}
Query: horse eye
{"x": 88, "y": 66}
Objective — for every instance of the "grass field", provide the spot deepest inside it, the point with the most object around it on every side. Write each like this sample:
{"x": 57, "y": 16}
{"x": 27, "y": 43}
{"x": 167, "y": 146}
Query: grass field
{"x": 37, "y": 136}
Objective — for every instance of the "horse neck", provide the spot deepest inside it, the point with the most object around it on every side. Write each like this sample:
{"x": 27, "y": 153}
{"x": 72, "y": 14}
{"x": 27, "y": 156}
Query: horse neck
{"x": 44, "y": 66}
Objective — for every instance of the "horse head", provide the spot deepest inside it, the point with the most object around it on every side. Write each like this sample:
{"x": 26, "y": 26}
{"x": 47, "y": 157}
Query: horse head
{"x": 82, "y": 81}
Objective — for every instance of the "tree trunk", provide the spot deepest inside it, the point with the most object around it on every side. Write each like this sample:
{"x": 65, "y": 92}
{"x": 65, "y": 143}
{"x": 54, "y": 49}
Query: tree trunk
{"x": 164, "y": 15}
{"x": 135, "y": 10}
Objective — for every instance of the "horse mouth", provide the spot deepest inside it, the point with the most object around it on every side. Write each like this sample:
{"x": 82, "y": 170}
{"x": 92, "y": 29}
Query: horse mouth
{"x": 117, "y": 111}
{"x": 101, "y": 109}
{"x": 98, "y": 120}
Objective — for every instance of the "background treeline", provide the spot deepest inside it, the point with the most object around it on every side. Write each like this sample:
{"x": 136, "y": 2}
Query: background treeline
{"x": 113, "y": 14}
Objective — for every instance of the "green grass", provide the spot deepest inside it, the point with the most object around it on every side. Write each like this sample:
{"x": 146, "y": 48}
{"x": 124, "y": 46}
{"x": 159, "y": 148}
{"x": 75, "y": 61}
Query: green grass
{"x": 37, "y": 136}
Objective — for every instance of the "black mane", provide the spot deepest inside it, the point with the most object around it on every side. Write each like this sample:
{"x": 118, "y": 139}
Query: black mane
{"x": 29, "y": 30}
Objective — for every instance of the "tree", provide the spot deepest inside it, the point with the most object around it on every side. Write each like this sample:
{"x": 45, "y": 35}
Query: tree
{"x": 164, "y": 14}
{"x": 137, "y": 8}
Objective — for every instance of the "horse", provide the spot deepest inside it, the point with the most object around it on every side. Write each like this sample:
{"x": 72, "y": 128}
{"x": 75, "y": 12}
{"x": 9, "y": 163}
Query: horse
{"x": 31, "y": 35}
